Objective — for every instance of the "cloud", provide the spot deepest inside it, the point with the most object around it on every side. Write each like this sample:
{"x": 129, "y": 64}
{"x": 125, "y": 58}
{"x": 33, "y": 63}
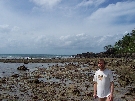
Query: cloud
{"x": 84, "y": 41}
{"x": 46, "y": 3}
{"x": 112, "y": 11}
{"x": 91, "y": 3}
{"x": 71, "y": 44}
{"x": 75, "y": 42}
{"x": 4, "y": 28}
{"x": 8, "y": 29}
{"x": 66, "y": 29}
{"x": 109, "y": 20}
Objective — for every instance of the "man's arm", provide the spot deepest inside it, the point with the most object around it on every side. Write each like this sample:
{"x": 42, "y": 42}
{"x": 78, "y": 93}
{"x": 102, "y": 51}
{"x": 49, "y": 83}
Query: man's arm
{"x": 95, "y": 89}
{"x": 112, "y": 87}
{"x": 112, "y": 90}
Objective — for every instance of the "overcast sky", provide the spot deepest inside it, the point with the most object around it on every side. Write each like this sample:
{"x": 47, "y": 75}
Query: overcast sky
{"x": 63, "y": 26}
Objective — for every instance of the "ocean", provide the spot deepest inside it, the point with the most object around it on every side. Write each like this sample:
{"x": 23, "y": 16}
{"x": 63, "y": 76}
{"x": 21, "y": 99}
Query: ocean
{"x": 33, "y": 56}
{"x": 7, "y": 69}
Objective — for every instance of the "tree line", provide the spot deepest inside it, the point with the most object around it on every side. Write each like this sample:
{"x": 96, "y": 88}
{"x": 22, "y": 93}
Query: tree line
{"x": 125, "y": 45}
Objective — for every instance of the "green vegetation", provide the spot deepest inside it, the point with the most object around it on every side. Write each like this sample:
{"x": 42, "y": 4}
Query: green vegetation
{"x": 125, "y": 45}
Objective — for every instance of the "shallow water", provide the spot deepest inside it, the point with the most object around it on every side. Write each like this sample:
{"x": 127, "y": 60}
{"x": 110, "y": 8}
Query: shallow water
{"x": 7, "y": 69}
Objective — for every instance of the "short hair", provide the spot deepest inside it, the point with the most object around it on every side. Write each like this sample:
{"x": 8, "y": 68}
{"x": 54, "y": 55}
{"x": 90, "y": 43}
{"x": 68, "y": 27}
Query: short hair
{"x": 102, "y": 60}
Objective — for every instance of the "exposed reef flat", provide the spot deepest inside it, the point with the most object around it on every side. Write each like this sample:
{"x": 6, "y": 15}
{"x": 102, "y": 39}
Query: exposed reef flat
{"x": 70, "y": 79}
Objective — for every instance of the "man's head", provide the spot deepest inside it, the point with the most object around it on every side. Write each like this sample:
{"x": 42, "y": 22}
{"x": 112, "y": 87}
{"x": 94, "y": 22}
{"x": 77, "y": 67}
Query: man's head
{"x": 101, "y": 63}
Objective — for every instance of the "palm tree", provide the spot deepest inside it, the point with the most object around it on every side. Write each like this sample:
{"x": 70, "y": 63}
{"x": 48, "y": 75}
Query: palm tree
{"x": 108, "y": 47}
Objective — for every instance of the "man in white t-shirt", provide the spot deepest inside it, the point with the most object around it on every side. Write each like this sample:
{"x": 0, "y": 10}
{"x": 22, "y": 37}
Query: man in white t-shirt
{"x": 103, "y": 83}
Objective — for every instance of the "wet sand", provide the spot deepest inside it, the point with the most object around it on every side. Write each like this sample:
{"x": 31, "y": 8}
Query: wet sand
{"x": 64, "y": 79}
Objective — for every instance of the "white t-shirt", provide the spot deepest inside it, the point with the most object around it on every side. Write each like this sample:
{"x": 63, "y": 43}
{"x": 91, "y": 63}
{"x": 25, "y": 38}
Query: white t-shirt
{"x": 103, "y": 79}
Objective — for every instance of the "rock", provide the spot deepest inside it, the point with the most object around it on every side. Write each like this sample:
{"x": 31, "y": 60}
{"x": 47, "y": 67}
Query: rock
{"x": 34, "y": 81}
{"x": 122, "y": 97}
{"x": 35, "y": 97}
{"x": 3, "y": 80}
{"x": 76, "y": 91}
{"x": 15, "y": 75}
{"x": 22, "y": 68}
{"x": 26, "y": 62}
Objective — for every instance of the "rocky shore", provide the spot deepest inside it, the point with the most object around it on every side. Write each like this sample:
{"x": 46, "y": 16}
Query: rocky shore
{"x": 69, "y": 80}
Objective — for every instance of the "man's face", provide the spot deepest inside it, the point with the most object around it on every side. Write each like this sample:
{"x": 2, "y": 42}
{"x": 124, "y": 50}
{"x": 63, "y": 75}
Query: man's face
{"x": 101, "y": 64}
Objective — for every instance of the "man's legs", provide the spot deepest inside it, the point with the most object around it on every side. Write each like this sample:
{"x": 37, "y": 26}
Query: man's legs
{"x": 107, "y": 99}
{"x": 102, "y": 99}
